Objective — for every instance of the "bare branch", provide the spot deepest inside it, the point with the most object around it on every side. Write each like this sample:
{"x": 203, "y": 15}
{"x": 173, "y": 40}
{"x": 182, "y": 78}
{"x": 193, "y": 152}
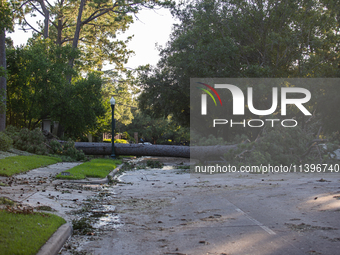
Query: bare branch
{"x": 24, "y": 4}
{"x": 48, "y": 3}
{"x": 54, "y": 24}
{"x": 32, "y": 27}
{"x": 36, "y": 8}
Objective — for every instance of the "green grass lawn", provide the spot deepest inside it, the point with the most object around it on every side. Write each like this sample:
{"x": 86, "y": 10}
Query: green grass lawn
{"x": 20, "y": 164}
{"x": 26, "y": 233}
{"x": 96, "y": 168}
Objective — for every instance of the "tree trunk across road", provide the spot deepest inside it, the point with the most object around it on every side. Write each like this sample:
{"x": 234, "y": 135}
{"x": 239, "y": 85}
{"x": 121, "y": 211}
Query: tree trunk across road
{"x": 134, "y": 149}
{"x": 198, "y": 152}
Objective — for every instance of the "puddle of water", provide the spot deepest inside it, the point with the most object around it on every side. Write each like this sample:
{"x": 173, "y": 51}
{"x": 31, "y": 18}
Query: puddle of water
{"x": 103, "y": 209}
{"x": 120, "y": 179}
{"x": 108, "y": 220}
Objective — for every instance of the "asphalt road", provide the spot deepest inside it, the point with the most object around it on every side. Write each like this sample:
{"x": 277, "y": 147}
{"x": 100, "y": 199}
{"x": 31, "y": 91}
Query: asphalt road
{"x": 169, "y": 212}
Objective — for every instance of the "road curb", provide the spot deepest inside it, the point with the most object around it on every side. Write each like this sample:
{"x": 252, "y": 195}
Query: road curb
{"x": 100, "y": 181}
{"x": 56, "y": 241}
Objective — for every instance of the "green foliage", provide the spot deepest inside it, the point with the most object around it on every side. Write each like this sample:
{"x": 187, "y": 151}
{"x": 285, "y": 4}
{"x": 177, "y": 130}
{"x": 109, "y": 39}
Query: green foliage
{"x": 122, "y": 87}
{"x": 36, "y": 82}
{"x": 29, "y": 140}
{"x": 278, "y": 146}
{"x": 67, "y": 151}
{"x": 154, "y": 164}
{"x": 82, "y": 226}
{"x": 5, "y": 142}
{"x": 198, "y": 140}
{"x": 38, "y": 89}
{"x": 6, "y": 16}
{"x": 56, "y": 147}
{"x": 237, "y": 38}
{"x": 158, "y": 130}
{"x": 6, "y": 201}
{"x": 82, "y": 102}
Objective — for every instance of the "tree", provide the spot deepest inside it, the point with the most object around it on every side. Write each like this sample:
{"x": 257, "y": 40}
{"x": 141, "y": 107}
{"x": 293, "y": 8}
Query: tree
{"x": 198, "y": 47}
{"x": 123, "y": 90}
{"x": 240, "y": 38}
{"x": 157, "y": 130}
{"x": 38, "y": 89}
{"x": 87, "y": 25}
{"x": 6, "y": 18}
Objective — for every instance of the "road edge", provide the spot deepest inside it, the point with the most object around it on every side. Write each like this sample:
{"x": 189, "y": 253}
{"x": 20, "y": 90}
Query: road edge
{"x": 56, "y": 241}
{"x": 59, "y": 238}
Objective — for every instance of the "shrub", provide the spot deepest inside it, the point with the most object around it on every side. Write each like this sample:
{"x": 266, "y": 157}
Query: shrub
{"x": 121, "y": 141}
{"x": 67, "y": 151}
{"x": 12, "y": 131}
{"x": 5, "y": 142}
{"x": 32, "y": 141}
{"x": 56, "y": 147}
{"x": 116, "y": 141}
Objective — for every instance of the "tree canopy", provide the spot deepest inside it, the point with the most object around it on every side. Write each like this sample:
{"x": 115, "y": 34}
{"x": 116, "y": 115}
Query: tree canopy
{"x": 240, "y": 39}
{"x": 58, "y": 76}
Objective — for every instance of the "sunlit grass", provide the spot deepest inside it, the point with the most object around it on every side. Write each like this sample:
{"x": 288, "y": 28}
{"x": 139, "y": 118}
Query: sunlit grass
{"x": 96, "y": 168}
{"x": 20, "y": 164}
{"x": 26, "y": 233}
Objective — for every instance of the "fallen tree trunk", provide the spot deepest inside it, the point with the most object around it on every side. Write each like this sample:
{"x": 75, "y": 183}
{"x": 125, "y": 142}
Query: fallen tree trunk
{"x": 197, "y": 152}
{"x": 134, "y": 149}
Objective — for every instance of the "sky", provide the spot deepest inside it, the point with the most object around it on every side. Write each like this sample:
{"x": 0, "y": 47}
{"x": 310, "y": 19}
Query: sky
{"x": 152, "y": 27}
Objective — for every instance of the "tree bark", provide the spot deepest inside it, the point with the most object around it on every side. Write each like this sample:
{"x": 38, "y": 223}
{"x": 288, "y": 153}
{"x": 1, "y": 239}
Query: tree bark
{"x": 134, "y": 149}
{"x": 47, "y": 18}
{"x": 2, "y": 81}
{"x": 77, "y": 32}
{"x": 197, "y": 152}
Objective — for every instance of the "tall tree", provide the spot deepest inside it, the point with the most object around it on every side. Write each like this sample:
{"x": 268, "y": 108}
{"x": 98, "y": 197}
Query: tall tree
{"x": 240, "y": 38}
{"x": 38, "y": 89}
{"x": 6, "y": 19}
{"x": 88, "y": 25}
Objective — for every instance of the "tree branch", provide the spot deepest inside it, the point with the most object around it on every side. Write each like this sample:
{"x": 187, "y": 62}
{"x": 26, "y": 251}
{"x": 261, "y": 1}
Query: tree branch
{"x": 32, "y": 27}
{"x": 93, "y": 16}
{"x": 48, "y": 3}
{"x": 66, "y": 40}
{"x": 36, "y": 8}
{"x": 24, "y": 4}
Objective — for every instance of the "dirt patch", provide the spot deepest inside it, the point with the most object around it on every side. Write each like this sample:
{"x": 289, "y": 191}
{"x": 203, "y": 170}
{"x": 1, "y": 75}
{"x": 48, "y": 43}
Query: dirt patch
{"x": 302, "y": 227}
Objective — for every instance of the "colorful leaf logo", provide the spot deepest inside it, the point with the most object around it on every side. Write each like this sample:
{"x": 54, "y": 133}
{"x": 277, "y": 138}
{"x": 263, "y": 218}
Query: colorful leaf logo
{"x": 208, "y": 92}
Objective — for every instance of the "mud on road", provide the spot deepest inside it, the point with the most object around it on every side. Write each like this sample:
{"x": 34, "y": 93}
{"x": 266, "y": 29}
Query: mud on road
{"x": 167, "y": 211}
